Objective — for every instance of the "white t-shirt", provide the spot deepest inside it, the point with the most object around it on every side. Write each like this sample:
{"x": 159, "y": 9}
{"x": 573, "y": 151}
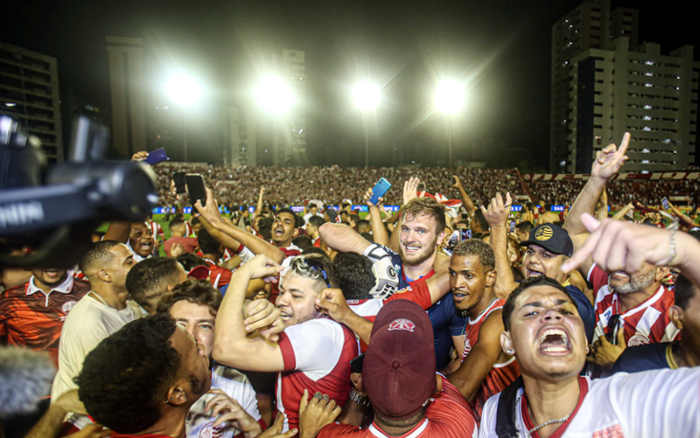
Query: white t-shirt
{"x": 88, "y": 323}
{"x": 657, "y": 403}
{"x": 236, "y": 386}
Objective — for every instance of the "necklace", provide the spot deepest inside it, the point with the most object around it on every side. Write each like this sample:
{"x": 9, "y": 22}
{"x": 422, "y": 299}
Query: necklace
{"x": 548, "y": 422}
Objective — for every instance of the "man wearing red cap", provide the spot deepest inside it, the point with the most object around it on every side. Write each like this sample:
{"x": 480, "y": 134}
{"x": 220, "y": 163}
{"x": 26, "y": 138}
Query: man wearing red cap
{"x": 408, "y": 397}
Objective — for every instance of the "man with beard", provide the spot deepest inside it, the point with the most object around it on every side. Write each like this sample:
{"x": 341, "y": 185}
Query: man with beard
{"x": 485, "y": 369}
{"x": 545, "y": 333}
{"x": 102, "y": 311}
{"x": 421, "y": 228}
{"x": 33, "y": 314}
{"x": 631, "y": 308}
{"x": 311, "y": 352}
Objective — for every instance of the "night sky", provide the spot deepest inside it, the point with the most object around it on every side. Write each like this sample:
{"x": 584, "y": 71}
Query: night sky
{"x": 503, "y": 45}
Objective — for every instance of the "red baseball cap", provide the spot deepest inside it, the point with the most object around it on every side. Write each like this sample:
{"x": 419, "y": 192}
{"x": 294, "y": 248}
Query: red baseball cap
{"x": 398, "y": 373}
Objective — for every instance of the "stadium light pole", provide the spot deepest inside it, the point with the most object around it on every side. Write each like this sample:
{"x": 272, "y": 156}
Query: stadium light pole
{"x": 184, "y": 90}
{"x": 366, "y": 97}
{"x": 448, "y": 99}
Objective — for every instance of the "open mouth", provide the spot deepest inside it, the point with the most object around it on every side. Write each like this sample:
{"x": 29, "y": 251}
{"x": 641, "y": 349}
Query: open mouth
{"x": 411, "y": 249}
{"x": 459, "y": 296}
{"x": 554, "y": 341}
{"x": 533, "y": 273}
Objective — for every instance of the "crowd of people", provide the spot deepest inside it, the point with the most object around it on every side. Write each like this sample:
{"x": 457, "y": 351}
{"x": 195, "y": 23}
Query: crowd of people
{"x": 333, "y": 184}
{"x": 443, "y": 319}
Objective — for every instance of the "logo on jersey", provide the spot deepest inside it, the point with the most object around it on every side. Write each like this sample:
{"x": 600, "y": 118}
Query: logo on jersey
{"x": 402, "y": 324}
{"x": 67, "y": 306}
{"x": 544, "y": 233}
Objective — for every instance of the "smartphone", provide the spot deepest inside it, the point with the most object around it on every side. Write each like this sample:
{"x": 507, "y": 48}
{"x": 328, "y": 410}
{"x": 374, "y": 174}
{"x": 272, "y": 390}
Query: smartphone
{"x": 379, "y": 190}
{"x": 156, "y": 156}
{"x": 179, "y": 180}
{"x": 664, "y": 203}
{"x": 512, "y": 226}
{"x": 195, "y": 188}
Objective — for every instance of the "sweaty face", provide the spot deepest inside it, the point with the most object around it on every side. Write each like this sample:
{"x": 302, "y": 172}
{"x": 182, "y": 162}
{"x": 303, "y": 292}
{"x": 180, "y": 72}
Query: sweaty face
{"x": 283, "y": 228}
{"x": 468, "y": 280}
{"x": 297, "y": 298}
{"x": 49, "y": 277}
{"x": 418, "y": 237}
{"x": 538, "y": 261}
{"x": 141, "y": 239}
{"x": 198, "y": 321}
{"x": 546, "y": 334}
{"x": 624, "y": 283}
{"x": 194, "y": 364}
{"x": 119, "y": 265}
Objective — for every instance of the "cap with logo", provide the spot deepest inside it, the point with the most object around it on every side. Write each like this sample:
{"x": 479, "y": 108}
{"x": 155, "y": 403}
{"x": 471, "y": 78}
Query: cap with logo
{"x": 551, "y": 237}
{"x": 398, "y": 372}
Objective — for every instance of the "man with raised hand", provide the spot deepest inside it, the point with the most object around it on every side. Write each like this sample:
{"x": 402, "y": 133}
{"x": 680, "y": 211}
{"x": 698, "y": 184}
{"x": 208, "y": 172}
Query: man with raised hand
{"x": 421, "y": 228}
{"x": 485, "y": 369}
{"x": 634, "y": 302}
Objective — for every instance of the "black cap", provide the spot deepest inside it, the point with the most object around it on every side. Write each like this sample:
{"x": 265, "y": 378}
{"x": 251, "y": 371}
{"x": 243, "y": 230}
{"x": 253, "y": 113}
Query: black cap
{"x": 551, "y": 237}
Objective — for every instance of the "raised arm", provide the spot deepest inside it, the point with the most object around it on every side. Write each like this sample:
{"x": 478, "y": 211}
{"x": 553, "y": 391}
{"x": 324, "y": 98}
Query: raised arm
{"x": 375, "y": 220}
{"x": 210, "y": 212}
{"x": 468, "y": 203}
{"x": 606, "y": 165}
{"x": 497, "y": 215}
{"x": 343, "y": 238}
{"x": 635, "y": 244}
{"x": 232, "y": 347}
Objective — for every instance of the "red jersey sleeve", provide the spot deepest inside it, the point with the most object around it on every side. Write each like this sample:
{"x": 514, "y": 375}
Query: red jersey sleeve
{"x": 290, "y": 361}
{"x": 418, "y": 292}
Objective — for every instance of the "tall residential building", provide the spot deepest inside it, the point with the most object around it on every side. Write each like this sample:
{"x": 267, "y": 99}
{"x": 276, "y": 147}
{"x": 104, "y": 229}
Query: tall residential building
{"x": 241, "y": 138}
{"x": 127, "y": 78}
{"x": 29, "y": 93}
{"x": 604, "y": 83}
{"x": 292, "y": 144}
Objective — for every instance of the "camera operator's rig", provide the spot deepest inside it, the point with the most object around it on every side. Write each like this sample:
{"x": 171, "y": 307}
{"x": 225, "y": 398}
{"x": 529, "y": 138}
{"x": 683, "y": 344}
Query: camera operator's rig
{"x": 49, "y": 214}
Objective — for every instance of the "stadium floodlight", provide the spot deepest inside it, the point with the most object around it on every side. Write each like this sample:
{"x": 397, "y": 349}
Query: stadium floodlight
{"x": 449, "y": 96}
{"x": 183, "y": 89}
{"x": 366, "y": 95}
{"x": 274, "y": 95}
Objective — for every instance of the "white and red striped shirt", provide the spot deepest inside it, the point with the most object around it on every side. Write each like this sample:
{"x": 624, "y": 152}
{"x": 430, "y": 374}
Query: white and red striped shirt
{"x": 644, "y": 324}
{"x": 316, "y": 356}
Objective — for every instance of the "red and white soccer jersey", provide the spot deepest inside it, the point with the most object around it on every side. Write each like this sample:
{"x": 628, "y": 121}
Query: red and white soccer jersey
{"x": 657, "y": 403}
{"x": 447, "y": 416}
{"x": 502, "y": 374}
{"x": 317, "y": 356}
{"x": 647, "y": 323}
{"x": 31, "y": 318}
